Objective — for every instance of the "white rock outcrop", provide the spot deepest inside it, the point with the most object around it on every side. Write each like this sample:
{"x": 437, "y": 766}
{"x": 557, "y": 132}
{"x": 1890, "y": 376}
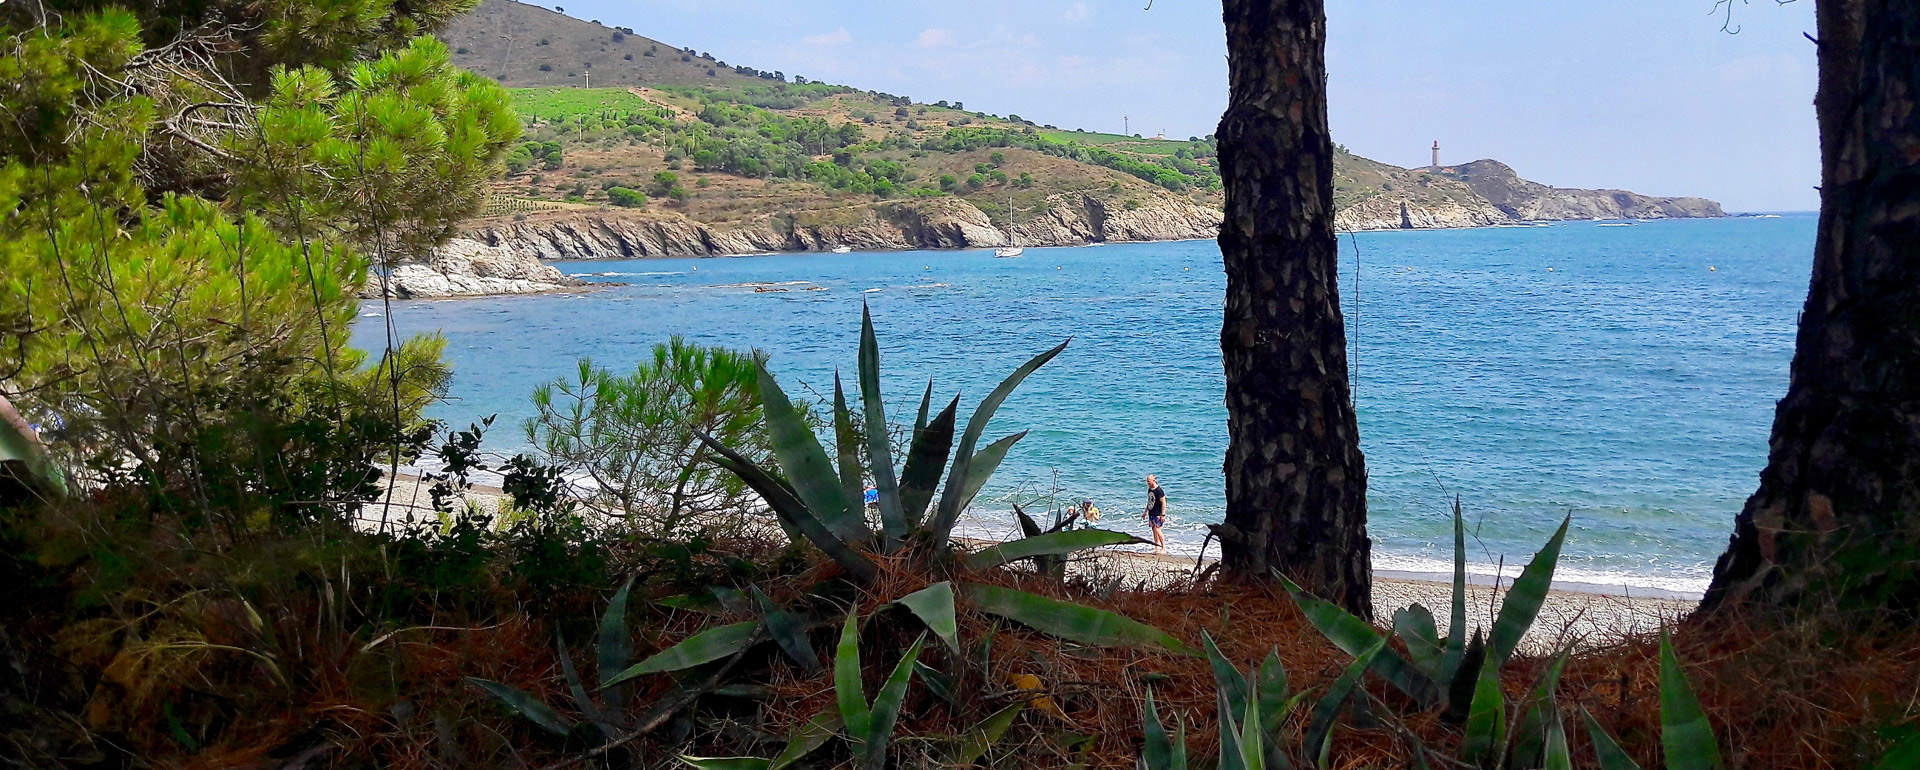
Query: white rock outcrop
{"x": 465, "y": 267}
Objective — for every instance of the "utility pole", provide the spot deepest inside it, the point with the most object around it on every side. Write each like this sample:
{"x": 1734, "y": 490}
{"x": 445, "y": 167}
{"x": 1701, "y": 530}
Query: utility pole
{"x": 589, "y": 80}
{"x": 1125, "y": 129}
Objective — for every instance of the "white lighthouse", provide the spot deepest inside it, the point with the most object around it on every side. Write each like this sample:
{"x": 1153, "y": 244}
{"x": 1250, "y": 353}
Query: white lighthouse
{"x": 1436, "y": 155}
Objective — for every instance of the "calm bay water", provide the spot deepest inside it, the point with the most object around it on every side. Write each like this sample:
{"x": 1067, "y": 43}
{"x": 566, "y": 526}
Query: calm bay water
{"x": 1625, "y": 376}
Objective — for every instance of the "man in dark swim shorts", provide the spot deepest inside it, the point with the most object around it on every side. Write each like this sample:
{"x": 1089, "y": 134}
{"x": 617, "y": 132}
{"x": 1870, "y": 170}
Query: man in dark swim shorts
{"x": 1156, "y": 512}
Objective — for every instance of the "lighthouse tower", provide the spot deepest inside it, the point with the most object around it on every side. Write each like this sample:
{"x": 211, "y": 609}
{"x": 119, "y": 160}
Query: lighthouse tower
{"x": 1436, "y": 154}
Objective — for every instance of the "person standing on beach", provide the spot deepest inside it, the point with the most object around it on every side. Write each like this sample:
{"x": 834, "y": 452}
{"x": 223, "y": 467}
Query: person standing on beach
{"x": 1156, "y": 514}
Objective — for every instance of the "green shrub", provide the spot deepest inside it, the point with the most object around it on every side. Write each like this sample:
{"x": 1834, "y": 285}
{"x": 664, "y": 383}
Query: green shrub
{"x": 629, "y": 198}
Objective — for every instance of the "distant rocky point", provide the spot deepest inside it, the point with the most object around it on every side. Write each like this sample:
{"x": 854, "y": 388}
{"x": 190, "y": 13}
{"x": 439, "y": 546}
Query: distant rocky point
{"x": 1524, "y": 200}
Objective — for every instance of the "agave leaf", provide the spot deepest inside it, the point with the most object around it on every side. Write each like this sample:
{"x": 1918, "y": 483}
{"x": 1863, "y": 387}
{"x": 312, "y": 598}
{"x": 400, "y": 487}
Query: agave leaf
{"x": 1460, "y": 690}
{"x": 1050, "y": 544}
{"x": 687, "y": 603}
{"x": 616, "y": 645}
{"x": 726, "y": 763}
{"x": 1903, "y": 754}
{"x": 934, "y": 606}
{"x": 893, "y": 517}
{"x": 1522, "y": 603}
{"x": 920, "y": 421}
{"x": 806, "y": 737}
{"x": 1414, "y": 625}
{"x": 1070, "y": 621}
{"x": 1233, "y": 755}
{"x": 886, "y": 706}
{"x": 954, "y": 499}
{"x": 1456, "y": 647}
{"x": 1253, "y": 750}
{"x": 527, "y": 706}
{"x": 1557, "y": 755}
{"x": 1156, "y": 749}
{"x": 806, "y": 465}
{"x": 704, "y": 647}
{"x": 1324, "y": 712}
{"x": 981, "y": 737}
{"x": 1531, "y": 735}
{"x": 920, "y": 476}
{"x": 984, "y": 463}
{"x": 1685, "y": 734}
{"x": 578, "y": 689}
{"x": 937, "y": 682}
{"x": 1226, "y": 676}
{"x": 1606, "y": 750}
{"x": 1352, "y": 635}
{"x": 846, "y": 451}
{"x": 788, "y": 507}
{"x": 789, "y": 631}
{"x": 848, "y": 690}
{"x": 1486, "y": 720}
{"x": 1272, "y": 681}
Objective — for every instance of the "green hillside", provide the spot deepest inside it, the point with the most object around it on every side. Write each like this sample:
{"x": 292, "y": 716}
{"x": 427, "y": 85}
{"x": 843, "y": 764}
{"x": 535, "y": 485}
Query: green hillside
{"x": 659, "y": 131}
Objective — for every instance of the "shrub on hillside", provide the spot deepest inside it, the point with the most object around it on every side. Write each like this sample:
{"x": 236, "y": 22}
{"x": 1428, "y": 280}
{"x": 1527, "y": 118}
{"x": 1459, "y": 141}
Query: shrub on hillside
{"x": 626, "y": 197}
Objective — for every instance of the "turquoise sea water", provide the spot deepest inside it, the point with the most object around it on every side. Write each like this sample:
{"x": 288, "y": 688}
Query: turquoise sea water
{"x": 1625, "y": 376}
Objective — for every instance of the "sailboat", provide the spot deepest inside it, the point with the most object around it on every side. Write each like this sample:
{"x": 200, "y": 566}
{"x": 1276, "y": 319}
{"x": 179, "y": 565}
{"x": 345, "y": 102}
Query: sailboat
{"x": 1012, "y": 249}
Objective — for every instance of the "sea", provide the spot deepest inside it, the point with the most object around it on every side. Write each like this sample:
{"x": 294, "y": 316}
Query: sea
{"x": 1622, "y": 374}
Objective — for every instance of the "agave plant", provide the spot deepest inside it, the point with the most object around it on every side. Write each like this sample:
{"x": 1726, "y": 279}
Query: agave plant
{"x": 818, "y": 500}
{"x": 1457, "y": 673}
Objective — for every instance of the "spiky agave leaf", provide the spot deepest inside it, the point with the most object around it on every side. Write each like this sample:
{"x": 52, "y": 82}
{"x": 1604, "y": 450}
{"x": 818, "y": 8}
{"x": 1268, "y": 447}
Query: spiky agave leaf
{"x": 704, "y": 647}
{"x": 806, "y": 737}
{"x": 787, "y": 505}
{"x": 886, "y": 707}
{"x": 984, "y": 463}
{"x": 951, "y": 501}
{"x": 1049, "y": 544}
{"x": 1353, "y": 635}
{"x": 981, "y": 737}
{"x": 846, "y": 450}
{"x": 848, "y": 691}
{"x": 1158, "y": 750}
{"x": 1486, "y": 733}
{"x": 1226, "y": 676}
{"x": 806, "y": 466}
{"x": 520, "y": 702}
{"x": 1606, "y": 750}
{"x": 1455, "y": 649}
{"x": 1685, "y": 734}
{"x": 1272, "y": 683}
{"x": 788, "y": 630}
{"x": 615, "y": 652}
{"x": 1415, "y": 627}
{"x": 920, "y": 476}
{"x": 934, "y": 606}
{"x": 1336, "y": 695}
{"x": 578, "y": 690}
{"x": 893, "y": 518}
{"x": 1531, "y": 733}
{"x": 1522, "y": 603}
{"x": 1073, "y": 622}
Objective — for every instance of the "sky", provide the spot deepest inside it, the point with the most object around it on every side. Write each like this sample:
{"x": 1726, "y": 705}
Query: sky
{"x": 1645, "y": 95}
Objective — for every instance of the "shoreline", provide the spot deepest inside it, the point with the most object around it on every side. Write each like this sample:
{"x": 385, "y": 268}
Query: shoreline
{"x": 1582, "y": 614}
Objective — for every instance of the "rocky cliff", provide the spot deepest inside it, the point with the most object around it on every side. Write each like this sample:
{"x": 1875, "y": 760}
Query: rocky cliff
{"x": 1520, "y": 199}
{"x": 940, "y": 223}
{"x": 465, "y": 267}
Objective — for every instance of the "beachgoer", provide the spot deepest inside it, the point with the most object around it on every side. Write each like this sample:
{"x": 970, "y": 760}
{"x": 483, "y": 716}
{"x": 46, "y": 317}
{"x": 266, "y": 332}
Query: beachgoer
{"x": 1089, "y": 513}
{"x": 873, "y": 497}
{"x": 1156, "y": 514}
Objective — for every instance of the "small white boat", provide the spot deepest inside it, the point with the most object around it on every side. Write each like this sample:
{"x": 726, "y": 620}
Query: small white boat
{"x": 842, "y": 249}
{"x": 1012, "y": 249}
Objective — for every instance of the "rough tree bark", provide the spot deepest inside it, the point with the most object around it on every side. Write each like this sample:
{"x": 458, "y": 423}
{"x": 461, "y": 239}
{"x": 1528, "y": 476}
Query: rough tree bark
{"x": 1836, "y": 521}
{"x": 1296, "y": 482}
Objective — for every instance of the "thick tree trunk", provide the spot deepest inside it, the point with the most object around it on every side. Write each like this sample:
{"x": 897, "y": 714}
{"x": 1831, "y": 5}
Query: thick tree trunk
{"x": 1296, "y": 483}
{"x": 1836, "y": 521}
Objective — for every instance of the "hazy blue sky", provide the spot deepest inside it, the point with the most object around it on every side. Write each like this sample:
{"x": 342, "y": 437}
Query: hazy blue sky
{"x": 1647, "y": 95}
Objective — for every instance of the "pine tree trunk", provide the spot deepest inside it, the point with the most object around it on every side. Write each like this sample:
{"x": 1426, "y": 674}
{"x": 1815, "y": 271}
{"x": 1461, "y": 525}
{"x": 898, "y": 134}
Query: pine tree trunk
{"x": 1296, "y": 482}
{"x": 1836, "y": 521}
